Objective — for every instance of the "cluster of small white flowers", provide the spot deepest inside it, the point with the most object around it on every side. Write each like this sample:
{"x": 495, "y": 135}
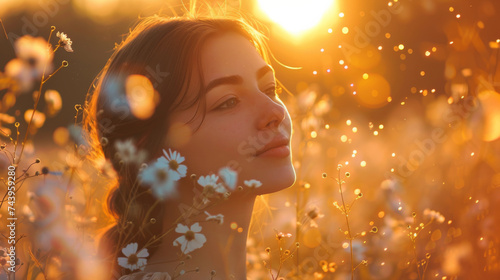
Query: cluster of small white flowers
{"x": 127, "y": 153}
{"x": 164, "y": 173}
{"x": 64, "y": 41}
{"x": 434, "y": 215}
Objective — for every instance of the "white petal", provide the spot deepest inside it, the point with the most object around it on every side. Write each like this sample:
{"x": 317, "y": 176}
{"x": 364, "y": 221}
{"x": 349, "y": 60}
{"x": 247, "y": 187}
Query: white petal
{"x": 229, "y": 177}
{"x": 181, "y": 228}
{"x": 162, "y": 160}
{"x": 164, "y": 189}
{"x": 143, "y": 253}
{"x": 200, "y": 238}
{"x": 202, "y": 181}
{"x": 196, "y": 227}
{"x": 182, "y": 169}
{"x": 180, "y": 159}
{"x": 123, "y": 262}
{"x": 179, "y": 240}
{"x": 220, "y": 188}
{"x": 133, "y": 267}
{"x": 173, "y": 175}
{"x": 141, "y": 263}
{"x": 130, "y": 249}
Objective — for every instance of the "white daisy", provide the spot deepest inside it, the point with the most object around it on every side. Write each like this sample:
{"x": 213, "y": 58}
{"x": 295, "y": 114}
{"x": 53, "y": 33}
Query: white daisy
{"x": 252, "y": 183}
{"x": 64, "y": 41}
{"x": 210, "y": 185}
{"x": 219, "y": 218}
{"x": 191, "y": 238}
{"x": 127, "y": 152}
{"x": 174, "y": 160}
{"x": 133, "y": 260}
{"x": 160, "y": 178}
{"x": 229, "y": 177}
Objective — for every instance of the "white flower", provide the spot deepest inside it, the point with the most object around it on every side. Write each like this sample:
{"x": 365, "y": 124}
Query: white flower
{"x": 173, "y": 160}
{"x": 191, "y": 238}
{"x": 314, "y": 214}
{"x": 34, "y": 53}
{"x": 22, "y": 73}
{"x": 434, "y": 215}
{"x": 229, "y": 177}
{"x": 64, "y": 41}
{"x": 210, "y": 185}
{"x": 160, "y": 178}
{"x": 33, "y": 57}
{"x": 127, "y": 152}
{"x": 133, "y": 260}
{"x": 219, "y": 218}
{"x": 252, "y": 183}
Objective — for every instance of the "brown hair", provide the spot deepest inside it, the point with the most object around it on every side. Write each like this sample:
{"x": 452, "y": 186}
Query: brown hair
{"x": 164, "y": 50}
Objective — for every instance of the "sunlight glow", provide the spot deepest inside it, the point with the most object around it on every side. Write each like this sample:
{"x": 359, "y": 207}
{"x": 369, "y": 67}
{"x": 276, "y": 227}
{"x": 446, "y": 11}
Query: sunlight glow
{"x": 293, "y": 15}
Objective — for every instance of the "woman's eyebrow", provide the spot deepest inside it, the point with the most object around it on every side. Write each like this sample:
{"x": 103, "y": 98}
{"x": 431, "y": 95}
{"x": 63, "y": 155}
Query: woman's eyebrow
{"x": 229, "y": 80}
{"x": 236, "y": 79}
{"x": 263, "y": 71}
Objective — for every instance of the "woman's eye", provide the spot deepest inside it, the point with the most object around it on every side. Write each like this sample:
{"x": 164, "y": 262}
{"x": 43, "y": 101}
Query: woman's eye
{"x": 230, "y": 103}
{"x": 271, "y": 92}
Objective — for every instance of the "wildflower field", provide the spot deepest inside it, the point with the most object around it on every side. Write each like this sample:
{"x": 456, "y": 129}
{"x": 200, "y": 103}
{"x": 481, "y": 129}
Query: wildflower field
{"x": 396, "y": 141}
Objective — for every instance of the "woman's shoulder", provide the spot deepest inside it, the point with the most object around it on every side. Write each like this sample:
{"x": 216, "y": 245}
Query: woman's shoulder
{"x": 147, "y": 276}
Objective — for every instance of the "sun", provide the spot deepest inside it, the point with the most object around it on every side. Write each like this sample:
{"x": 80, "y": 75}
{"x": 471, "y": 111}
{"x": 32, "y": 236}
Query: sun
{"x": 295, "y": 16}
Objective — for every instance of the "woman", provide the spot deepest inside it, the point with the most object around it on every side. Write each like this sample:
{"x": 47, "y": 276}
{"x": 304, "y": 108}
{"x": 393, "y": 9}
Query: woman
{"x": 197, "y": 99}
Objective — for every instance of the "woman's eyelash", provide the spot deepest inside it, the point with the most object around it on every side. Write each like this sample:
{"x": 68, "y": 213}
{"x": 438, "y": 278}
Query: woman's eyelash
{"x": 231, "y": 102}
{"x": 272, "y": 91}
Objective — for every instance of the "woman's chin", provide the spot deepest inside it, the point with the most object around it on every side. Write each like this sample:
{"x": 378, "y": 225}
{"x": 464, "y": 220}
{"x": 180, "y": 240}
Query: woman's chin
{"x": 277, "y": 181}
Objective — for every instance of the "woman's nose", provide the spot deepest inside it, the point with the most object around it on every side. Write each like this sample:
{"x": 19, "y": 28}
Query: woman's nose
{"x": 272, "y": 113}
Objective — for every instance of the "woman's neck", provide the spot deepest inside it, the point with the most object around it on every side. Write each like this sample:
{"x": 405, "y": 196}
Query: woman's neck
{"x": 225, "y": 248}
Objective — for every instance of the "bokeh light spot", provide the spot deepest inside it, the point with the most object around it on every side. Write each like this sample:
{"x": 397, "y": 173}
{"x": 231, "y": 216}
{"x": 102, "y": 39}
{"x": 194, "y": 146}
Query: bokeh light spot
{"x": 373, "y": 92}
{"x": 312, "y": 238}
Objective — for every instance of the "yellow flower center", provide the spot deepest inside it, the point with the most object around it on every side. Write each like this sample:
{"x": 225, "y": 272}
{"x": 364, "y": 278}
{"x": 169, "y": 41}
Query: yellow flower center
{"x": 189, "y": 235}
{"x": 133, "y": 259}
{"x": 209, "y": 190}
{"x": 161, "y": 175}
{"x": 173, "y": 165}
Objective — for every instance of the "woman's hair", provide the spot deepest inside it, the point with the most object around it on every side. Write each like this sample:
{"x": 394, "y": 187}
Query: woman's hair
{"x": 167, "y": 52}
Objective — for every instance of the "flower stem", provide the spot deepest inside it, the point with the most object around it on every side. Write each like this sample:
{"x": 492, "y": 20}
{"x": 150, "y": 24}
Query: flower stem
{"x": 36, "y": 102}
{"x": 346, "y": 214}
{"x": 3, "y": 27}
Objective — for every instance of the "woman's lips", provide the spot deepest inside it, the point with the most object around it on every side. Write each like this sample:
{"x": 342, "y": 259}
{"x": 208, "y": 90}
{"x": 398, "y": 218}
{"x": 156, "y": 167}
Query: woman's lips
{"x": 279, "y": 151}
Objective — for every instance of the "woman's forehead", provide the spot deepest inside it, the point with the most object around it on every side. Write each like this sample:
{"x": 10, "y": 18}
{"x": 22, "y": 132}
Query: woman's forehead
{"x": 229, "y": 54}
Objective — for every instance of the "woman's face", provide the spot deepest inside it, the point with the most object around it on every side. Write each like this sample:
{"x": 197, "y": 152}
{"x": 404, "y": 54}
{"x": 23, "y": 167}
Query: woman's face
{"x": 246, "y": 126}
